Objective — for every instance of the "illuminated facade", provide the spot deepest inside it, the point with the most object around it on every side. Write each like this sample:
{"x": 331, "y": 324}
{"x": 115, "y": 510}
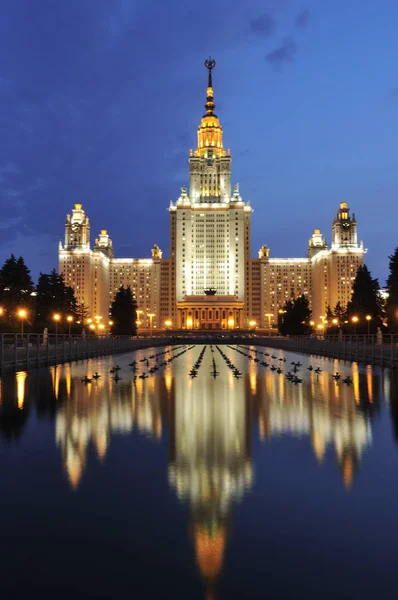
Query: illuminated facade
{"x": 209, "y": 280}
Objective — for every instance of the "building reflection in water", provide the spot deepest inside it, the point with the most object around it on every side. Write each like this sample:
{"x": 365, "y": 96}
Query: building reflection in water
{"x": 323, "y": 410}
{"x": 209, "y": 429}
{"x": 210, "y": 461}
{"x": 21, "y": 380}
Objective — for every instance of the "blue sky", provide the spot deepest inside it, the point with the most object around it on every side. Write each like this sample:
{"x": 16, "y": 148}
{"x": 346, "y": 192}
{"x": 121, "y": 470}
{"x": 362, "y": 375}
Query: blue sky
{"x": 100, "y": 102}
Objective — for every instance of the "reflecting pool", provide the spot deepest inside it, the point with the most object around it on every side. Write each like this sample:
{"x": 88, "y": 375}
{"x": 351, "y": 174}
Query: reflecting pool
{"x": 236, "y": 481}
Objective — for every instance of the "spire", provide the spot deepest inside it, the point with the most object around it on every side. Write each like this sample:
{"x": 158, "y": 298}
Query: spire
{"x": 210, "y": 130}
{"x": 210, "y": 106}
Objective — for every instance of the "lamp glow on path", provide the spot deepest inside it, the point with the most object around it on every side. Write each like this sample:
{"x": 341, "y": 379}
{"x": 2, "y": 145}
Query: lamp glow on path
{"x": 269, "y": 316}
{"x": 57, "y": 319}
{"x": 368, "y": 318}
{"x": 150, "y": 315}
{"x": 22, "y": 315}
{"x": 69, "y": 319}
{"x": 355, "y": 321}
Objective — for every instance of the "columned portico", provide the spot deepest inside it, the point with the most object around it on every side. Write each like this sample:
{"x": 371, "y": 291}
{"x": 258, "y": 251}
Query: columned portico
{"x": 201, "y": 312}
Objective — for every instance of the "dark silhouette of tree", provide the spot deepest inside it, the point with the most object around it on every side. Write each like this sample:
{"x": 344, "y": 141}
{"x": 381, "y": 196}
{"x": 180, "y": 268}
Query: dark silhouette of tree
{"x": 365, "y": 300}
{"x": 392, "y": 288}
{"x": 53, "y": 296}
{"x": 16, "y": 287}
{"x": 124, "y": 313}
{"x": 294, "y": 320}
{"x": 339, "y": 313}
{"x": 82, "y": 313}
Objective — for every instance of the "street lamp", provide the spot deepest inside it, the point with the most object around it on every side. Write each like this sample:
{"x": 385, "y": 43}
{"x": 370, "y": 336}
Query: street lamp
{"x": 168, "y": 324}
{"x": 150, "y": 315}
{"x": 269, "y": 316}
{"x": 57, "y": 319}
{"x": 252, "y": 324}
{"x": 22, "y": 315}
{"x": 368, "y": 318}
{"x": 69, "y": 319}
{"x": 312, "y": 323}
{"x": 355, "y": 321}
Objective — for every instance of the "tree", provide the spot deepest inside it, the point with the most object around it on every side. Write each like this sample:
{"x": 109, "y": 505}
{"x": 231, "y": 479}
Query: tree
{"x": 294, "y": 320}
{"x": 82, "y": 312}
{"x": 365, "y": 301}
{"x": 16, "y": 287}
{"x": 392, "y": 289}
{"x": 339, "y": 313}
{"x": 53, "y": 296}
{"x": 124, "y": 313}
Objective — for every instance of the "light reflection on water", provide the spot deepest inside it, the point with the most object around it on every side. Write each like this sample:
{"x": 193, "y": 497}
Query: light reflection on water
{"x": 210, "y": 425}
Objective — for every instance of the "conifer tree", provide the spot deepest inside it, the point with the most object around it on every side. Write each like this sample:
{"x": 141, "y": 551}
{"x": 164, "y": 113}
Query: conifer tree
{"x": 339, "y": 313}
{"x": 53, "y": 296}
{"x": 16, "y": 287}
{"x": 294, "y": 320}
{"x": 124, "y": 313}
{"x": 392, "y": 289}
{"x": 365, "y": 301}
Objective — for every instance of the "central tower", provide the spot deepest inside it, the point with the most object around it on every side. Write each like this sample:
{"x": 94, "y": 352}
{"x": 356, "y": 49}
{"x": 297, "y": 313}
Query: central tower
{"x": 210, "y": 166}
{"x": 210, "y": 232}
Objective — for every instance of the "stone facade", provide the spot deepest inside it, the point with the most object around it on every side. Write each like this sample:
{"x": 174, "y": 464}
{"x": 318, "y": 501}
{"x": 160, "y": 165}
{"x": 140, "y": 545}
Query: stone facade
{"x": 209, "y": 281}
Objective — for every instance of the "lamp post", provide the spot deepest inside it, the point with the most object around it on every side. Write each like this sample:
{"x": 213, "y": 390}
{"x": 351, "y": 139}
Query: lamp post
{"x": 57, "y": 319}
{"x": 168, "y": 324}
{"x": 150, "y": 315}
{"x": 368, "y": 318}
{"x": 355, "y": 321}
{"x": 252, "y": 324}
{"x": 69, "y": 319}
{"x": 269, "y": 316}
{"x": 22, "y": 315}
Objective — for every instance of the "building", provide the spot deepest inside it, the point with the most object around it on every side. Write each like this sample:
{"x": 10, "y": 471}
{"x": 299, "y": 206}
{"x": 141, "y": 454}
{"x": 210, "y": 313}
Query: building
{"x": 209, "y": 280}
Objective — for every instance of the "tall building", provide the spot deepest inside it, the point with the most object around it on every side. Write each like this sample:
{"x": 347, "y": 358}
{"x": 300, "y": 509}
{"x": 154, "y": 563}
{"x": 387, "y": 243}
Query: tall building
{"x": 209, "y": 280}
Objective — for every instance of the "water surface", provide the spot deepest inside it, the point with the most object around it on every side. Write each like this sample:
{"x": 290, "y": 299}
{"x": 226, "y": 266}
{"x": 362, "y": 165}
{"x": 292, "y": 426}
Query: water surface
{"x": 212, "y": 487}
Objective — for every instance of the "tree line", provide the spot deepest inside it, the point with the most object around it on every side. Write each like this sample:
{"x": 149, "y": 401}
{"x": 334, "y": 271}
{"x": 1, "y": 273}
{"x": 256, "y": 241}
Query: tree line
{"x": 52, "y": 296}
{"x": 366, "y": 312}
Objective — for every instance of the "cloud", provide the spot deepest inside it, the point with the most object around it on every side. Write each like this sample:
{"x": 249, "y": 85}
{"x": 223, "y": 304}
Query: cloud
{"x": 302, "y": 18}
{"x": 283, "y": 54}
{"x": 263, "y": 26}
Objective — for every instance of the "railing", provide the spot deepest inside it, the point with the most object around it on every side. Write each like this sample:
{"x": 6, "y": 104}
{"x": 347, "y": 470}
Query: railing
{"x": 26, "y": 351}
{"x": 368, "y": 349}
{"x": 32, "y": 350}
